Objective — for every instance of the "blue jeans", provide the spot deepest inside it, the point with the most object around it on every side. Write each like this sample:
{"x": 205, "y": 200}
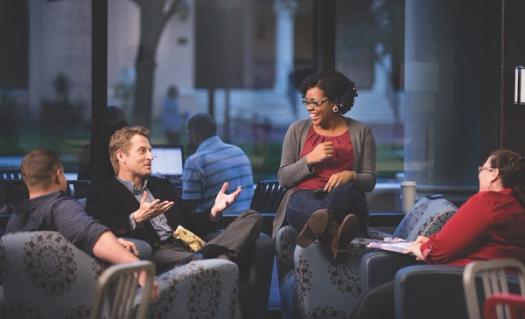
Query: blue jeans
{"x": 343, "y": 200}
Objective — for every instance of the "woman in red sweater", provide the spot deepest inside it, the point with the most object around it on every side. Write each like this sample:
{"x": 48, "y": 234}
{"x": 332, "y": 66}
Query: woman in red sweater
{"x": 489, "y": 225}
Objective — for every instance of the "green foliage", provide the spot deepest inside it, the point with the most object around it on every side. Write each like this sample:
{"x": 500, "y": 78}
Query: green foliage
{"x": 389, "y": 160}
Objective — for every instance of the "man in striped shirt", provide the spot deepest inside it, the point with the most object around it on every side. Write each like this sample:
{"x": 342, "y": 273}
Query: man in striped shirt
{"x": 213, "y": 163}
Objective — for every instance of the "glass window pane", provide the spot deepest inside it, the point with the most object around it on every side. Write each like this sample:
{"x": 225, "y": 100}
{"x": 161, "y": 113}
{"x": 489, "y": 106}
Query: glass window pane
{"x": 232, "y": 58}
{"x": 370, "y": 51}
{"x": 45, "y": 79}
{"x": 427, "y": 78}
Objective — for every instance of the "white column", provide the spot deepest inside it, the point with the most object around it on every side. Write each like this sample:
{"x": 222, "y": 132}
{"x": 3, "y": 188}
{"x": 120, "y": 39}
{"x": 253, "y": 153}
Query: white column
{"x": 284, "y": 49}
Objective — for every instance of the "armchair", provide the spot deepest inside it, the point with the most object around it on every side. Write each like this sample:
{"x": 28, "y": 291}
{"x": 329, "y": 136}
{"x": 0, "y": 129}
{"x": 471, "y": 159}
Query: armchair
{"x": 420, "y": 290}
{"x": 43, "y": 275}
{"x": 427, "y": 291}
{"x": 497, "y": 276}
{"x": 117, "y": 287}
{"x": 326, "y": 289}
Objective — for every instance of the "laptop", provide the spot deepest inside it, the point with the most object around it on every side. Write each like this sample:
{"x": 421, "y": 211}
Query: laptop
{"x": 168, "y": 162}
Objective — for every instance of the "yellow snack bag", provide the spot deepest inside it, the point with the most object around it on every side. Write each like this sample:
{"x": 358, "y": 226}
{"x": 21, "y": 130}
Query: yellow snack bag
{"x": 193, "y": 241}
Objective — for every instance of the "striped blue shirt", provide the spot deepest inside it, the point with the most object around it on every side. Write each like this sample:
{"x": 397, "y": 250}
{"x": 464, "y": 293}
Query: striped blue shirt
{"x": 213, "y": 163}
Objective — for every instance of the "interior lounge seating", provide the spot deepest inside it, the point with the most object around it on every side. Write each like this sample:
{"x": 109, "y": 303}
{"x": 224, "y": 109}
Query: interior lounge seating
{"x": 254, "y": 285}
{"x": 497, "y": 278}
{"x": 420, "y": 291}
{"x": 117, "y": 288}
{"x": 267, "y": 196}
{"x": 439, "y": 291}
{"x": 43, "y": 275}
{"x": 311, "y": 285}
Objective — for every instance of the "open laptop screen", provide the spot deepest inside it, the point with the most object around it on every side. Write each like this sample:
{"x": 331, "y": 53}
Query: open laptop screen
{"x": 167, "y": 160}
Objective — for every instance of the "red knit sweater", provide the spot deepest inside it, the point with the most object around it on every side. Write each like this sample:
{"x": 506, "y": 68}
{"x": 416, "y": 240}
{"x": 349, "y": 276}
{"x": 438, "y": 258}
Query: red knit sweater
{"x": 489, "y": 225}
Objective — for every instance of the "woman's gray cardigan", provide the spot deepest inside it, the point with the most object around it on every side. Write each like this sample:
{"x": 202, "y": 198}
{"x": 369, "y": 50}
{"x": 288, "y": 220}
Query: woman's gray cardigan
{"x": 293, "y": 168}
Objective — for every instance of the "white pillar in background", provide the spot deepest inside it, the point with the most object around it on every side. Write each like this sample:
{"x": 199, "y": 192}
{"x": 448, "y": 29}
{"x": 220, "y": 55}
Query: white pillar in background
{"x": 284, "y": 39}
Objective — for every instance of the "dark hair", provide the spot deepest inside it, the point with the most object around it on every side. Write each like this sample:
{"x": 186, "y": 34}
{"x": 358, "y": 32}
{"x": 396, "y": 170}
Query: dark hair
{"x": 38, "y": 167}
{"x": 203, "y": 125}
{"x": 337, "y": 88}
{"x": 511, "y": 168}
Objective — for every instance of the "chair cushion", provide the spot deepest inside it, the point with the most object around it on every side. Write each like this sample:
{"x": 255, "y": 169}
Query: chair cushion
{"x": 46, "y": 276}
{"x": 426, "y": 217}
{"x": 199, "y": 289}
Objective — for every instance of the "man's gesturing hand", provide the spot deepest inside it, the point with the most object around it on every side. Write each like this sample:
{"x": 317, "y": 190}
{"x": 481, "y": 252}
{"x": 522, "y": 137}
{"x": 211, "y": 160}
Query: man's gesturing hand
{"x": 148, "y": 210}
{"x": 223, "y": 200}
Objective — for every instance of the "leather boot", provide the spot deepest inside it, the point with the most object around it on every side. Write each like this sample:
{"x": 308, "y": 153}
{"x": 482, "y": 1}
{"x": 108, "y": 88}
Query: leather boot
{"x": 315, "y": 226}
{"x": 330, "y": 232}
{"x": 340, "y": 241}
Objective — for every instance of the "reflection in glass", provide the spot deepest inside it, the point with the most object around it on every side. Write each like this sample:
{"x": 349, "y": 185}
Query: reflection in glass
{"x": 234, "y": 59}
{"x": 45, "y": 78}
{"x": 370, "y": 50}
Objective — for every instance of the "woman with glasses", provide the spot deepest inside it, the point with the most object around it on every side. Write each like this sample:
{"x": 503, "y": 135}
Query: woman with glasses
{"x": 489, "y": 225}
{"x": 327, "y": 163}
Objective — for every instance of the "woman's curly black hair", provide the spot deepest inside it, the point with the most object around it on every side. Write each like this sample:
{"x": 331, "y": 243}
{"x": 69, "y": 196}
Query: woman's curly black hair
{"x": 337, "y": 88}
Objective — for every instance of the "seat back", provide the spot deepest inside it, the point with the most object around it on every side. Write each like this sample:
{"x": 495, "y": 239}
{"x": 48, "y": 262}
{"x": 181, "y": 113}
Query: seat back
{"x": 122, "y": 278}
{"x": 493, "y": 307}
{"x": 496, "y": 276}
{"x": 267, "y": 196}
{"x": 426, "y": 217}
{"x": 10, "y": 174}
{"x": 43, "y": 275}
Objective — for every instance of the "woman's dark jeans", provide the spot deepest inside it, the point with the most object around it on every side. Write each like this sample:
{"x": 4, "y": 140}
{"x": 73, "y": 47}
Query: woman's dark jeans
{"x": 343, "y": 200}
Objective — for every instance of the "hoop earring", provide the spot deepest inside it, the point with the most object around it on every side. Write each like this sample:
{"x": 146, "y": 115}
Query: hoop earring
{"x": 335, "y": 109}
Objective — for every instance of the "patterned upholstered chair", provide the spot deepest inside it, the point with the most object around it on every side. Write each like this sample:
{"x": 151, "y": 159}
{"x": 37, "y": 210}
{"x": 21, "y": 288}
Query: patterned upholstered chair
{"x": 313, "y": 287}
{"x": 42, "y": 275}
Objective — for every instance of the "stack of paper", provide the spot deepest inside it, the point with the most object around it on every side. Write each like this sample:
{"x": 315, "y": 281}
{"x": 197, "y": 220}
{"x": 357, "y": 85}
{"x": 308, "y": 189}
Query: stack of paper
{"x": 392, "y": 244}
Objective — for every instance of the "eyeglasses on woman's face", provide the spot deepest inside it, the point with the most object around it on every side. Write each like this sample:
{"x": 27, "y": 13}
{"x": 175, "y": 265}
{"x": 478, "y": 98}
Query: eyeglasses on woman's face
{"x": 315, "y": 103}
{"x": 483, "y": 168}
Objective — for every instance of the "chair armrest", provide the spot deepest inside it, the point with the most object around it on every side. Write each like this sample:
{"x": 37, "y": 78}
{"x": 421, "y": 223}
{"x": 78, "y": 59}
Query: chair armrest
{"x": 430, "y": 291}
{"x": 379, "y": 267}
{"x": 284, "y": 249}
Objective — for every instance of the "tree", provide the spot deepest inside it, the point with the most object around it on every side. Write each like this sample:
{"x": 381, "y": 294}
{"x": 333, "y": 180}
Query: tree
{"x": 154, "y": 15}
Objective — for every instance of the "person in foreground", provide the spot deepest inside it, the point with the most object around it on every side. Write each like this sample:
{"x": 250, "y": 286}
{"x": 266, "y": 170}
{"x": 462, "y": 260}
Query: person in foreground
{"x": 49, "y": 208}
{"x": 328, "y": 162}
{"x": 213, "y": 163}
{"x": 135, "y": 204}
{"x": 489, "y": 225}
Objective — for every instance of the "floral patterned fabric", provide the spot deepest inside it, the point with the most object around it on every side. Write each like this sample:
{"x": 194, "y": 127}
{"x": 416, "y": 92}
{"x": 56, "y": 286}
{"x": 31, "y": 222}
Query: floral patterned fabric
{"x": 44, "y": 276}
{"x": 426, "y": 217}
{"x": 325, "y": 290}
